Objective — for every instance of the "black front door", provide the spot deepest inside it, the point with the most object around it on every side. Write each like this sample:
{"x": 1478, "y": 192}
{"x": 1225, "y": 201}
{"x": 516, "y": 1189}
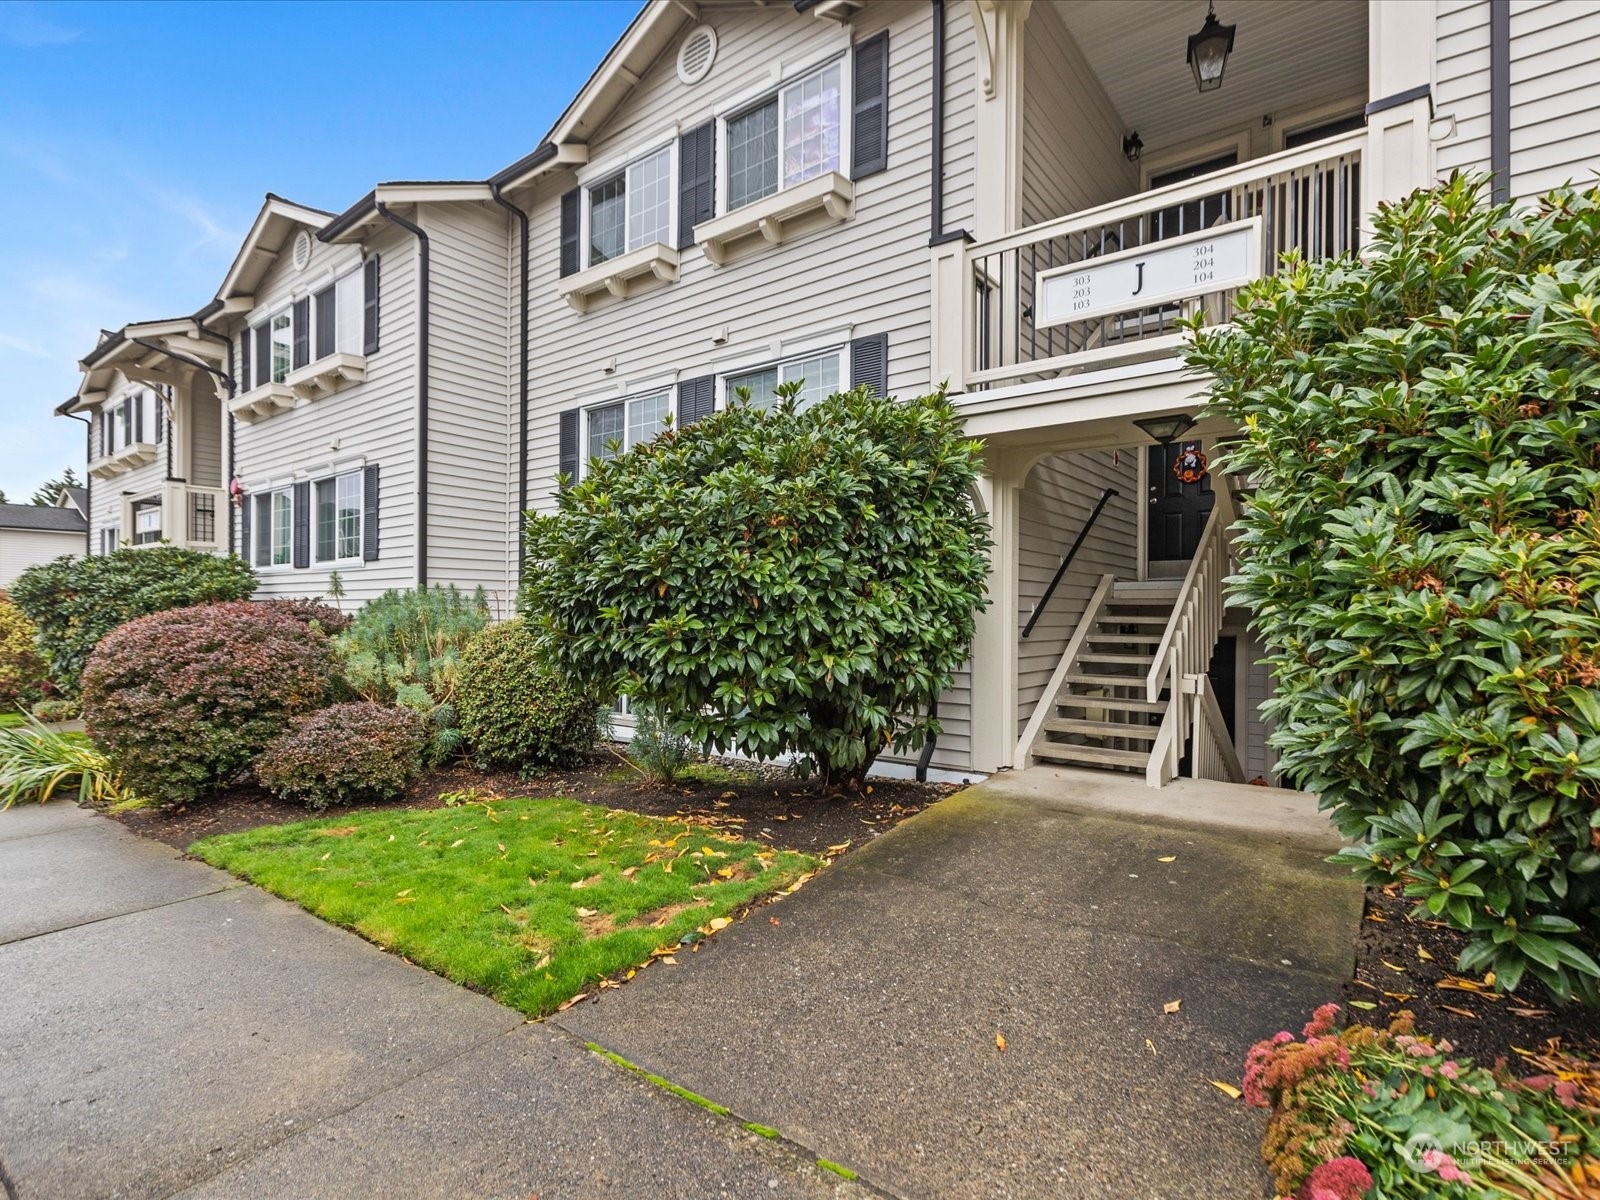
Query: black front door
{"x": 1178, "y": 510}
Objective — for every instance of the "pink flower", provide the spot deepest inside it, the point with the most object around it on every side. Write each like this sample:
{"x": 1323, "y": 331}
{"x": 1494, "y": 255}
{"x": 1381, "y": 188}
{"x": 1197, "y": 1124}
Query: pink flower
{"x": 1445, "y": 1166}
{"x": 1343, "y": 1178}
{"x": 1282, "y": 1037}
{"x": 1321, "y": 1020}
{"x": 1449, "y": 1069}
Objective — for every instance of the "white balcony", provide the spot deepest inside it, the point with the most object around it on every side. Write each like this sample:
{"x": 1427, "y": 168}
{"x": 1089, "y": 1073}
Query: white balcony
{"x": 1112, "y": 284}
{"x": 180, "y": 514}
{"x": 124, "y": 459}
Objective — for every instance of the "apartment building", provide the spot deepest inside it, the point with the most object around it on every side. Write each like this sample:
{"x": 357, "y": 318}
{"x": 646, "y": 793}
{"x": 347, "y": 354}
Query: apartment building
{"x": 1017, "y": 199}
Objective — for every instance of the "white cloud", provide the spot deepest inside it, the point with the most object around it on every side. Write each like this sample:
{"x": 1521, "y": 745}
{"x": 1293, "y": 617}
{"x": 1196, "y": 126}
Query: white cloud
{"x": 22, "y": 24}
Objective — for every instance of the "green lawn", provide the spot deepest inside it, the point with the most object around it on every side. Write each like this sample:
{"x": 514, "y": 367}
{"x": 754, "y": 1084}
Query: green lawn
{"x": 531, "y": 901}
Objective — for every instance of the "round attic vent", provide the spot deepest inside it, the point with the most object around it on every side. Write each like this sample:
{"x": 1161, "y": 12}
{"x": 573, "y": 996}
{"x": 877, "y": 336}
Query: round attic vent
{"x": 698, "y": 52}
{"x": 302, "y": 250}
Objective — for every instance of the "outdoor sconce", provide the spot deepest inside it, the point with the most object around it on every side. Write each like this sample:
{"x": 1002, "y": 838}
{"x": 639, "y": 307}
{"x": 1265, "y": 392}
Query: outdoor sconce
{"x": 1132, "y": 146}
{"x": 1209, "y": 50}
{"x": 1168, "y": 429}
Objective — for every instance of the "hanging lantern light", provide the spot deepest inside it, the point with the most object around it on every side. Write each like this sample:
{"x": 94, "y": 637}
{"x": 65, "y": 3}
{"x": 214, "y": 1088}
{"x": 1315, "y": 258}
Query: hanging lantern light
{"x": 1209, "y": 50}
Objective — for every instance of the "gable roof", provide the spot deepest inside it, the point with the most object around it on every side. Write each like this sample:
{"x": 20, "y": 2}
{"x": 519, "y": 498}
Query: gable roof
{"x": 274, "y": 225}
{"x": 42, "y": 517}
{"x": 74, "y": 497}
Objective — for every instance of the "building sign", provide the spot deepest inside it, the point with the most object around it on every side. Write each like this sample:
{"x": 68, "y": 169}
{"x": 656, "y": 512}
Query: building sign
{"x": 1179, "y": 268}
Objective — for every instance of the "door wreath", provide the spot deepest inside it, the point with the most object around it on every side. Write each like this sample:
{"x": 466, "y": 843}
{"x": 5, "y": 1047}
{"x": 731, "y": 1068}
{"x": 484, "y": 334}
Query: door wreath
{"x": 1190, "y": 465}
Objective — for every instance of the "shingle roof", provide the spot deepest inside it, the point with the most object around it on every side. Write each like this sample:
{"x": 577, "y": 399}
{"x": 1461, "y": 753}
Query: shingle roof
{"x": 42, "y": 516}
{"x": 75, "y": 497}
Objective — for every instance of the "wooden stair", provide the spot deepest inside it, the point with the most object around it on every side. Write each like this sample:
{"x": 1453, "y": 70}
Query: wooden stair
{"x": 1101, "y": 716}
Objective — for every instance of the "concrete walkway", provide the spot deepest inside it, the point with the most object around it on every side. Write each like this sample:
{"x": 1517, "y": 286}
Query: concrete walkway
{"x": 168, "y": 1031}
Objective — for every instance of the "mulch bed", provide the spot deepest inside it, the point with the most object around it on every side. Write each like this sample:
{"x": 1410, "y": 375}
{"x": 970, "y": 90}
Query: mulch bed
{"x": 1407, "y": 964}
{"x": 764, "y": 803}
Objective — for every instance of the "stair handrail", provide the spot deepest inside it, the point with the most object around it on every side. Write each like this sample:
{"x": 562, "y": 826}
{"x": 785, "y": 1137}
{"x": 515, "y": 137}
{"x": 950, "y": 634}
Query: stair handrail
{"x": 1047, "y": 698}
{"x": 1066, "y": 560}
{"x": 1201, "y": 587}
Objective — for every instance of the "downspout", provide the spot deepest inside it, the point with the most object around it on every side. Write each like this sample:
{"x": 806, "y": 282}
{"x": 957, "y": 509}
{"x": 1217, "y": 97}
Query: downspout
{"x": 522, "y": 428}
{"x": 936, "y": 184}
{"x": 422, "y": 386}
{"x": 233, "y": 389}
{"x": 88, "y": 481}
{"x": 1499, "y": 101}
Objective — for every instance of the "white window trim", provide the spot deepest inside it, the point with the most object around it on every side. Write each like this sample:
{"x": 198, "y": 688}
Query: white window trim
{"x": 360, "y": 476}
{"x": 668, "y": 389}
{"x": 285, "y": 489}
{"x": 724, "y": 393}
{"x": 590, "y": 178}
{"x": 785, "y": 76}
{"x": 1300, "y": 119}
{"x": 1174, "y": 158}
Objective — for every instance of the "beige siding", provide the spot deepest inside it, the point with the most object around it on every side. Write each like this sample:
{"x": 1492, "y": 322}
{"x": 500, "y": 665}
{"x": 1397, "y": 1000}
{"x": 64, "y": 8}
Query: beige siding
{"x": 24, "y": 548}
{"x": 1056, "y": 499}
{"x": 203, "y": 413}
{"x": 372, "y": 422}
{"x": 1260, "y": 762}
{"x": 1071, "y": 135}
{"x": 961, "y": 99}
{"x": 1462, "y": 84}
{"x": 471, "y": 426}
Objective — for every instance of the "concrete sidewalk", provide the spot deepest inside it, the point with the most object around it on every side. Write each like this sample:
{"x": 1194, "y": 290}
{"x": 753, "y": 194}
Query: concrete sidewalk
{"x": 168, "y": 1031}
{"x": 1037, "y": 907}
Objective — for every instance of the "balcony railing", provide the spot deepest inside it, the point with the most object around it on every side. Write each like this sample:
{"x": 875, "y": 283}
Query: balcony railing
{"x": 195, "y": 517}
{"x": 1061, "y": 296}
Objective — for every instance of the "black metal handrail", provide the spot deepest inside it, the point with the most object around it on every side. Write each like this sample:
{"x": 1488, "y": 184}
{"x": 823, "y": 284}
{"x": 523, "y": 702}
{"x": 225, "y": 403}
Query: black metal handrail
{"x": 1066, "y": 561}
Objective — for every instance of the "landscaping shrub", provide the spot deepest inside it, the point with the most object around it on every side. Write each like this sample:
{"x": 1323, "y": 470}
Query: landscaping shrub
{"x": 50, "y": 711}
{"x": 37, "y": 763}
{"x": 411, "y": 637}
{"x": 1363, "y": 1112}
{"x": 184, "y": 700}
{"x": 22, "y": 670}
{"x": 515, "y": 710}
{"x": 657, "y": 748}
{"x": 77, "y": 601}
{"x": 775, "y": 580}
{"x": 345, "y": 754}
{"x": 315, "y": 613}
{"x": 440, "y": 722}
{"x": 1421, "y": 558}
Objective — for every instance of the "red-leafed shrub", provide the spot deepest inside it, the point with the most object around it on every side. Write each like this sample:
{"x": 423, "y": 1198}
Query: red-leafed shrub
{"x": 182, "y": 701}
{"x": 345, "y": 754}
{"x": 312, "y": 612}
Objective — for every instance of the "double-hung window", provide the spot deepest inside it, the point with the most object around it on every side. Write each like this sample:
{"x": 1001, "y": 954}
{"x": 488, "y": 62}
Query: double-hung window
{"x": 282, "y": 327}
{"x": 338, "y": 518}
{"x": 630, "y": 209}
{"x": 274, "y": 528}
{"x": 624, "y": 424}
{"x": 146, "y": 522}
{"x": 790, "y": 136}
{"x": 820, "y": 376}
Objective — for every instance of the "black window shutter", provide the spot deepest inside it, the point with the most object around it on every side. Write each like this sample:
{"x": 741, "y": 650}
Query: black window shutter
{"x": 696, "y": 398}
{"x": 264, "y": 353}
{"x": 249, "y": 551}
{"x": 325, "y": 319}
{"x": 302, "y": 332}
{"x": 369, "y": 514}
{"x": 569, "y": 232}
{"x": 244, "y": 383}
{"x": 369, "y": 306}
{"x": 697, "y": 180}
{"x": 869, "y": 363}
{"x": 569, "y": 446}
{"x": 302, "y": 525}
{"x": 138, "y": 418}
{"x": 161, "y": 410}
{"x": 869, "y": 152}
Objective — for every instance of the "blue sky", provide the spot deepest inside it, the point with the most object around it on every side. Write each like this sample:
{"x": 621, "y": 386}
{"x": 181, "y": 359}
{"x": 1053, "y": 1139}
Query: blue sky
{"x": 137, "y": 141}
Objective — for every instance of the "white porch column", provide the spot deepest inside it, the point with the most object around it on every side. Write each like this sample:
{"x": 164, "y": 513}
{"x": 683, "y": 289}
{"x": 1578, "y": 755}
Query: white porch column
{"x": 994, "y": 642}
{"x": 1400, "y": 52}
{"x": 997, "y": 199}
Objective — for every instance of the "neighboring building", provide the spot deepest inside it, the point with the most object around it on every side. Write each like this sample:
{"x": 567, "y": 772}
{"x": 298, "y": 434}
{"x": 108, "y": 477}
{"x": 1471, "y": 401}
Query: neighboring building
{"x": 1016, "y": 199}
{"x": 31, "y": 534}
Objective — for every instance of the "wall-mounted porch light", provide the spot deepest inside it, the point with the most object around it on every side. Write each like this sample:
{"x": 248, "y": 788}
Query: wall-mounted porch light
{"x": 1168, "y": 429}
{"x": 1132, "y": 146}
{"x": 1209, "y": 50}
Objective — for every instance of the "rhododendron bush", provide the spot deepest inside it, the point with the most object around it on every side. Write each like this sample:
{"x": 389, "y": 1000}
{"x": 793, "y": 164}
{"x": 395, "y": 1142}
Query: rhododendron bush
{"x": 1386, "y": 1113}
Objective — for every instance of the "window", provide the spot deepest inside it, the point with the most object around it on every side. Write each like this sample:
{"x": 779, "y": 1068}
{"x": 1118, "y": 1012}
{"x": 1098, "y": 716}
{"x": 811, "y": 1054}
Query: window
{"x": 274, "y": 528}
{"x": 146, "y": 522}
{"x": 820, "y": 374}
{"x": 109, "y": 539}
{"x": 336, "y": 317}
{"x": 339, "y": 517}
{"x": 282, "y": 346}
{"x": 790, "y": 137}
{"x": 626, "y": 423}
{"x": 631, "y": 209}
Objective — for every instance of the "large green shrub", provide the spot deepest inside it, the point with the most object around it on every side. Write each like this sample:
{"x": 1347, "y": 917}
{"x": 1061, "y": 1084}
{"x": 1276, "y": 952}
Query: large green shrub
{"x": 776, "y": 580}
{"x": 344, "y": 754}
{"x": 515, "y": 710}
{"x": 412, "y": 636}
{"x": 182, "y": 701}
{"x": 1421, "y": 558}
{"x": 22, "y": 670}
{"x": 77, "y": 601}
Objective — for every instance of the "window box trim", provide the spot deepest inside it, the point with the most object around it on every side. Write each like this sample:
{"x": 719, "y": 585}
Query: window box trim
{"x": 789, "y": 212}
{"x": 124, "y": 458}
{"x": 327, "y": 375}
{"x": 262, "y": 401}
{"x": 622, "y": 276}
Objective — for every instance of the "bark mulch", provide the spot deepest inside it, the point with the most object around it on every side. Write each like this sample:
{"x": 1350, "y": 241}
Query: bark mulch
{"x": 1409, "y": 964}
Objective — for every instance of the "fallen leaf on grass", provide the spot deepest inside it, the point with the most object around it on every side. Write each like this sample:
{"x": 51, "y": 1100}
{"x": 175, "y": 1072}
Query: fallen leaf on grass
{"x": 720, "y": 923}
{"x": 407, "y": 892}
{"x": 1000, "y": 1042}
{"x": 669, "y": 959}
{"x": 341, "y": 831}
{"x": 1168, "y": 858}
{"x": 1171, "y": 1006}
{"x": 566, "y": 1004}
{"x": 326, "y": 856}
{"x": 586, "y": 912}
{"x": 630, "y": 872}
{"x": 542, "y": 963}
{"x": 1227, "y": 1089}
{"x": 458, "y": 842}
